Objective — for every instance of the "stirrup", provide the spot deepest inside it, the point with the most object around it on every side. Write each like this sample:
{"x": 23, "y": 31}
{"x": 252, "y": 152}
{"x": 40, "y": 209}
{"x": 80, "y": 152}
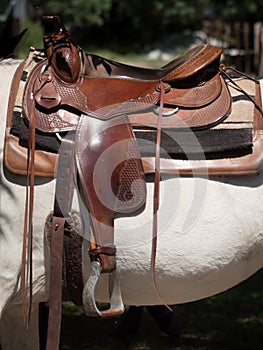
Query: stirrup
{"x": 88, "y": 295}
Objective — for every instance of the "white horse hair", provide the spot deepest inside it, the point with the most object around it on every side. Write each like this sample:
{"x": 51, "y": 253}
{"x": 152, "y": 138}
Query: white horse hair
{"x": 210, "y": 239}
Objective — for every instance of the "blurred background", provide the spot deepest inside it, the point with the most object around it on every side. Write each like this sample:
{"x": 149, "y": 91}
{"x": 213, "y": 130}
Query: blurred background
{"x": 153, "y": 31}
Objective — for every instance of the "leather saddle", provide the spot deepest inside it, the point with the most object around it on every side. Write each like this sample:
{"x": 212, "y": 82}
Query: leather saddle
{"x": 92, "y": 105}
{"x": 194, "y": 88}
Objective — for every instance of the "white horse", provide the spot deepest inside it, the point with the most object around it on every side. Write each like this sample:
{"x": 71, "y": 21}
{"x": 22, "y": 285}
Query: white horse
{"x": 210, "y": 239}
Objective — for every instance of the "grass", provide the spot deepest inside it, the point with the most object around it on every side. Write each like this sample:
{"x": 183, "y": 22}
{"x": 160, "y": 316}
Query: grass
{"x": 232, "y": 320}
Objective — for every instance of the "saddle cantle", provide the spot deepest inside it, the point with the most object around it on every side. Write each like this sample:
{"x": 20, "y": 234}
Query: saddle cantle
{"x": 94, "y": 108}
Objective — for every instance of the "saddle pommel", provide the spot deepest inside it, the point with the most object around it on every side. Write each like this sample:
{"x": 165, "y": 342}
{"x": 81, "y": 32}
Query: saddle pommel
{"x": 62, "y": 53}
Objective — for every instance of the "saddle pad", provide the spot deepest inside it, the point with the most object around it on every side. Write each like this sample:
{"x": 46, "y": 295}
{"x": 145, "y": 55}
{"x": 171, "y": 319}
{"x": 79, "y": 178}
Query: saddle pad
{"x": 44, "y": 141}
{"x": 211, "y": 144}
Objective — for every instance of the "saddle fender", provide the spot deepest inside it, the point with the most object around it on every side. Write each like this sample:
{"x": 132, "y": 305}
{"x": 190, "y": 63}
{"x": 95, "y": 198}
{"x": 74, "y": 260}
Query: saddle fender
{"x": 111, "y": 182}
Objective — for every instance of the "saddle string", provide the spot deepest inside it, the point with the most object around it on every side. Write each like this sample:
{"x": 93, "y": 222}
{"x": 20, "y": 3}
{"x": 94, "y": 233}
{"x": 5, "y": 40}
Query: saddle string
{"x": 163, "y": 89}
{"x": 223, "y": 70}
{"x": 27, "y": 251}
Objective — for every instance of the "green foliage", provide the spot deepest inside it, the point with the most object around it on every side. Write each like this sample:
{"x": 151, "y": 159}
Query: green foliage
{"x": 243, "y": 10}
{"x": 91, "y": 12}
{"x": 33, "y": 37}
{"x": 136, "y": 23}
{"x": 178, "y": 12}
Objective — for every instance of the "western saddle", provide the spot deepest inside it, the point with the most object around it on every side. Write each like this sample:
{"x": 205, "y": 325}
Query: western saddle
{"x": 93, "y": 106}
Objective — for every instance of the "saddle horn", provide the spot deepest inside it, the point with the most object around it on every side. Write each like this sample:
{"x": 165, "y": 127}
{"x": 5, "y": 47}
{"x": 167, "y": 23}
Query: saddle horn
{"x": 62, "y": 53}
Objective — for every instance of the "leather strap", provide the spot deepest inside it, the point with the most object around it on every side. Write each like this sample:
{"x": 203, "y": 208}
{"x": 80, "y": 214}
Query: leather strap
{"x": 55, "y": 300}
{"x": 163, "y": 89}
{"x": 27, "y": 253}
{"x": 62, "y": 205}
{"x": 223, "y": 71}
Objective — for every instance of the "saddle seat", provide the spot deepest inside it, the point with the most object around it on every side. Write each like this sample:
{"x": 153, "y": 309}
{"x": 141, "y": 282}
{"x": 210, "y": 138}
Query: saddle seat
{"x": 181, "y": 67}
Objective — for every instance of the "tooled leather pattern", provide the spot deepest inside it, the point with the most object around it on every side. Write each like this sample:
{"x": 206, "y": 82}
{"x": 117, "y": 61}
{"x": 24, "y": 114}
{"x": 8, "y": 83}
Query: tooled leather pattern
{"x": 67, "y": 101}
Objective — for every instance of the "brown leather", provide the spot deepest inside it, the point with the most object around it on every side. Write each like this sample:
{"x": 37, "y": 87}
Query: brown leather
{"x": 46, "y": 94}
{"x": 55, "y": 306}
{"x": 64, "y": 57}
{"x": 244, "y": 165}
{"x": 62, "y": 53}
{"x": 196, "y": 117}
{"x": 62, "y": 205}
{"x": 182, "y": 67}
{"x": 122, "y": 95}
{"x": 71, "y": 78}
{"x": 15, "y": 156}
{"x": 73, "y": 255}
{"x": 156, "y": 196}
{"x": 108, "y": 147}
